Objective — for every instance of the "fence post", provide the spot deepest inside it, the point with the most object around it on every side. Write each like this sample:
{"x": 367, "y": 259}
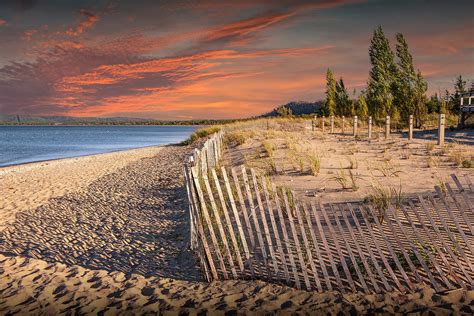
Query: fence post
{"x": 410, "y": 128}
{"x": 332, "y": 124}
{"x": 312, "y": 124}
{"x": 342, "y": 127}
{"x": 370, "y": 127}
{"x": 323, "y": 124}
{"x": 387, "y": 127}
{"x": 441, "y": 122}
{"x": 354, "y": 128}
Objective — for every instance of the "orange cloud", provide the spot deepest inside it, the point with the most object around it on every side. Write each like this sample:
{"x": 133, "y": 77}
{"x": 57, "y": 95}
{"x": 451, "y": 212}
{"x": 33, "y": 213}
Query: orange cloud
{"x": 89, "y": 20}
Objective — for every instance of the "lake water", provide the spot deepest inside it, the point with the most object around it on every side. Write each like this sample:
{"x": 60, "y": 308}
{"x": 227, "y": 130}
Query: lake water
{"x": 23, "y": 144}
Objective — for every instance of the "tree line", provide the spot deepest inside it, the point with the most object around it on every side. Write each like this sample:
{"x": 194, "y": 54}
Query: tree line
{"x": 394, "y": 87}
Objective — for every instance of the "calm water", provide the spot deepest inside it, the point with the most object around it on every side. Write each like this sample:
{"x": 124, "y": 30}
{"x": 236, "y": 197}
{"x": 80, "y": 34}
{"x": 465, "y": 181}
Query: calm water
{"x": 22, "y": 144}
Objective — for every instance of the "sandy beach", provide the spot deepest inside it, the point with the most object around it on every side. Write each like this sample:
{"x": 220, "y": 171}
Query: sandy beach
{"x": 109, "y": 233}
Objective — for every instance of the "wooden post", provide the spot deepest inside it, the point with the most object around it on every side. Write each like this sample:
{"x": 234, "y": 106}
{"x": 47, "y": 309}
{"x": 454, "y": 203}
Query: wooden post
{"x": 441, "y": 121}
{"x": 332, "y": 124}
{"x": 312, "y": 125}
{"x": 323, "y": 124}
{"x": 387, "y": 127}
{"x": 370, "y": 127}
{"x": 342, "y": 127}
{"x": 354, "y": 127}
{"x": 410, "y": 128}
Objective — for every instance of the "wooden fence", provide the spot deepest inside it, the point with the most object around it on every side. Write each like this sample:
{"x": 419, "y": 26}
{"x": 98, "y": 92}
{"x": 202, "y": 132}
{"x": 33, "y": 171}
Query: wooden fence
{"x": 245, "y": 227}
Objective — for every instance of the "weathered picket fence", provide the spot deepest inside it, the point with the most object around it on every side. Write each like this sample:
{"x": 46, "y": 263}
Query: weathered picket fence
{"x": 245, "y": 227}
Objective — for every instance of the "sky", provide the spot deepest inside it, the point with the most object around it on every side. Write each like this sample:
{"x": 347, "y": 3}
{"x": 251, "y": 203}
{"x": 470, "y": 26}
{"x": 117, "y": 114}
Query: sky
{"x": 211, "y": 59}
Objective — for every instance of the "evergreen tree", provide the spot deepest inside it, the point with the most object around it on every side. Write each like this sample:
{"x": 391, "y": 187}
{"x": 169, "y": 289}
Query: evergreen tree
{"x": 330, "y": 104}
{"x": 433, "y": 104}
{"x": 419, "y": 100}
{"x": 455, "y": 100}
{"x": 381, "y": 76}
{"x": 343, "y": 103}
{"x": 409, "y": 87}
{"x": 362, "y": 110}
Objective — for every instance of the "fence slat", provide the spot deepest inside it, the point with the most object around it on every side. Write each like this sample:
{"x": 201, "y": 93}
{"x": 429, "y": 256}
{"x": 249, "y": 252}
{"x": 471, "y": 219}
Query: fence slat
{"x": 220, "y": 228}
{"x": 445, "y": 246}
{"x": 196, "y": 222}
{"x": 275, "y": 230}
{"x": 326, "y": 246}
{"x": 454, "y": 219}
{"x": 207, "y": 219}
{"x": 450, "y": 233}
{"x": 305, "y": 242}
{"x": 318, "y": 253}
{"x": 230, "y": 227}
{"x": 426, "y": 250}
{"x": 462, "y": 191}
{"x": 413, "y": 248}
{"x": 264, "y": 222}
{"x": 359, "y": 250}
{"x": 380, "y": 252}
{"x": 286, "y": 238}
{"x": 389, "y": 247}
{"x": 401, "y": 246}
{"x": 244, "y": 208}
{"x": 255, "y": 220}
{"x": 237, "y": 220}
{"x": 338, "y": 248}
{"x": 351, "y": 255}
{"x": 296, "y": 240}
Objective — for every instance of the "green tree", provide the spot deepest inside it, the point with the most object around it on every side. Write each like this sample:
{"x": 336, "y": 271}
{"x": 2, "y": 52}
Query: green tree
{"x": 419, "y": 100}
{"x": 284, "y": 111}
{"x": 455, "y": 100}
{"x": 409, "y": 87}
{"x": 433, "y": 104}
{"x": 330, "y": 104}
{"x": 344, "y": 105}
{"x": 362, "y": 111}
{"x": 382, "y": 75}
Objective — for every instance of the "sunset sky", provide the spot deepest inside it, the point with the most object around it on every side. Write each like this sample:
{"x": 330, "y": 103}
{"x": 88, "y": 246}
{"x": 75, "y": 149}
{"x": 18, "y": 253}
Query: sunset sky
{"x": 211, "y": 59}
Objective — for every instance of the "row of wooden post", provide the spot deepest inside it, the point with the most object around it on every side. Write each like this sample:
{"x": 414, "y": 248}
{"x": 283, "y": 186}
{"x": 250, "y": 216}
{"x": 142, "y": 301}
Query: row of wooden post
{"x": 441, "y": 127}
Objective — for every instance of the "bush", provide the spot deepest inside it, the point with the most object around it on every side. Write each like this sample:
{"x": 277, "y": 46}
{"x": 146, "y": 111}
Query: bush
{"x": 201, "y": 133}
{"x": 468, "y": 163}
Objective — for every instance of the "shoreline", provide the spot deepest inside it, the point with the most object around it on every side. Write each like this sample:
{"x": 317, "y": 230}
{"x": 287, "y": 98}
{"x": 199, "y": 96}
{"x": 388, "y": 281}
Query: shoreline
{"x": 80, "y": 156}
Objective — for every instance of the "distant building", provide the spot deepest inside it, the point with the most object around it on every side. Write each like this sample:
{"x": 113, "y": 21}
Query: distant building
{"x": 466, "y": 108}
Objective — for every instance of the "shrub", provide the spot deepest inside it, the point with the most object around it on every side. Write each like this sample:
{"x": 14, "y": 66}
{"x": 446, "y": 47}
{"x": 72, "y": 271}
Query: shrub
{"x": 201, "y": 133}
{"x": 235, "y": 138}
{"x": 468, "y": 163}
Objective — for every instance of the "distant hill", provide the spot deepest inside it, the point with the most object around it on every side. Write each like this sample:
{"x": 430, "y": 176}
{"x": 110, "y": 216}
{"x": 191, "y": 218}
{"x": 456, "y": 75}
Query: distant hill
{"x": 71, "y": 120}
{"x": 298, "y": 108}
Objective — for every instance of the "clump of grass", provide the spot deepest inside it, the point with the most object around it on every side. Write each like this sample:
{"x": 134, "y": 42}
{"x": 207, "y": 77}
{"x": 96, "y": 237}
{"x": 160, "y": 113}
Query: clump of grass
{"x": 269, "y": 148}
{"x": 353, "y": 179}
{"x": 429, "y": 147}
{"x": 201, "y": 133}
{"x": 457, "y": 157}
{"x": 382, "y": 197}
{"x": 387, "y": 170}
{"x": 442, "y": 185}
{"x": 315, "y": 164}
{"x": 468, "y": 163}
{"x": 235, "y": 138}
{"x": 353, "y": 164}
{"x": 433, "y": 161}
{"x": 341, "y": 178}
